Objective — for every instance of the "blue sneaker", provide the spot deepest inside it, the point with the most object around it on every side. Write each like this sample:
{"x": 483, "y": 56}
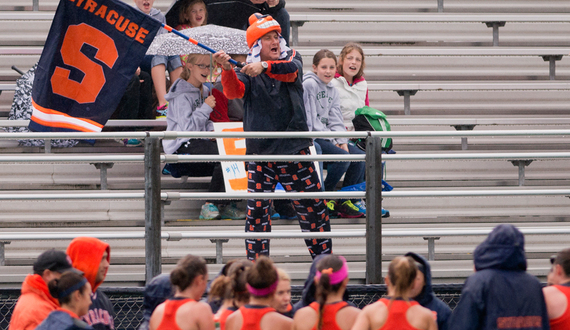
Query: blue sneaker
{"x": 385, "y": 213}
{"x": 361, "y": 204}
{"x": 133, "y": 143}
{"x": 209, "y": 212}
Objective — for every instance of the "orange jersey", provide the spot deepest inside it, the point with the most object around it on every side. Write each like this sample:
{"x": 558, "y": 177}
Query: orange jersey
{"x": 329, "y": 314}
{"x": 562, "y": 322}
{"x": 171, "y": 306}
{"x": 252, "y": 316}
{"x": 397, "y": 314}
{"x": 222, "y": 319}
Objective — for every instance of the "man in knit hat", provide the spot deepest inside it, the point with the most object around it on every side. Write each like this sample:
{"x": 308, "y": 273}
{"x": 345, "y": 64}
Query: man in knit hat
{"x": 272, "y": 90}
{"x": 35, "y": 303}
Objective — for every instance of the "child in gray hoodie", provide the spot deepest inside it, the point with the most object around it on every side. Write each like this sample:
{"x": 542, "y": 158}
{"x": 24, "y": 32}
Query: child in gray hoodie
{"x": 189, "y": 108}
{"x": 322, "y": 105}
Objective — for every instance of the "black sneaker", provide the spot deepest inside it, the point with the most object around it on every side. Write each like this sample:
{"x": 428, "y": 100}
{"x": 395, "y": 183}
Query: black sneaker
{"x": 349, "y": 210}
{"x": 285, "y": 209}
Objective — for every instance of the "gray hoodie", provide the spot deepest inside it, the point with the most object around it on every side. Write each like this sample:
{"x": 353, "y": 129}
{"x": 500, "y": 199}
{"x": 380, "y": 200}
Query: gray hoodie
{"x": 157, "y": 15}
{"x": 187, "y": 112}
{"x": 322, "y": 105}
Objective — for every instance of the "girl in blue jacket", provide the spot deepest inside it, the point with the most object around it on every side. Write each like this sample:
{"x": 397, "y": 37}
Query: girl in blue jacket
{"x": 322, "y": 105}
{"x": 73, "y": 292}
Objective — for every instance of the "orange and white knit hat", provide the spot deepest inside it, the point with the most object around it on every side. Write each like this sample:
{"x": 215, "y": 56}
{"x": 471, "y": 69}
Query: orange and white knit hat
{"x": 260, "y": 25}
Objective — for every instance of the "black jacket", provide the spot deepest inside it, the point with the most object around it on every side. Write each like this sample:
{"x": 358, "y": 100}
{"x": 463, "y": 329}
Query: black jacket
{"x": 273, "y": 102}
{"x": 101, "y": 314}
{"x": 427, "y": 297}
{"x": 501, "y": 294}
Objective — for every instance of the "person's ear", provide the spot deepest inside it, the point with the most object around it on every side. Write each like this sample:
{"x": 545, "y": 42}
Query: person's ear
{"x": 314, "y": 68}
{"x": 387, "y": 280}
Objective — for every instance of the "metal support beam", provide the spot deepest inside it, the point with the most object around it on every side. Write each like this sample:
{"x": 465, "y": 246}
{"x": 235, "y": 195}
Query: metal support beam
{"x": 521, "y": 164}
{"x": 47, "y": 146}
{"x": 495, "y": 26}
{"x": 295, "y": 32}
{"x": 102, "y": 167}
{"x": 464, "y": 144}
{"x": 552, "y": 67}
{"x": 162, "y": 205}
{"x": 374, "y": 210}
{"x": 406, "y": 94}
{"x": 2, "y": 253}
{"x": 440, "y": 6}
{"x": 431, "y": 247}
{"x": 219, "y": 249}
{"x": 36, "y": 5}
{"x": 153, "y": 249}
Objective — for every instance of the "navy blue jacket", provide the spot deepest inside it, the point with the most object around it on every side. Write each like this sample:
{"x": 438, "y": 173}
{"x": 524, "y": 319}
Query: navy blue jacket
{"x": 62, "y": 321}
{"x": 273, "y": 102}
{"x": 501, "y": 294}
{"x": 427, "y": 298}
{"x": 156, "y": 292}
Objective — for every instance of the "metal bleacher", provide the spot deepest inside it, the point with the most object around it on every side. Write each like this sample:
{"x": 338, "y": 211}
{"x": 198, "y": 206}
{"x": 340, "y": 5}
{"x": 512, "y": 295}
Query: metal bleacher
{"x": 467, "y": 76}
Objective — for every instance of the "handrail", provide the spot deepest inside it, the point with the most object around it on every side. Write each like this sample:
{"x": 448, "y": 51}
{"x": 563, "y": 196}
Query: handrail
{"x": 169, "y": 196}
{"x": 287, "y": 234}
{"x": 260, "y": 135}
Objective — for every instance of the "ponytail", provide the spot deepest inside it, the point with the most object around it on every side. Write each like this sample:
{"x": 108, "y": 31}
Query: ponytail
{"x": 331, "y": 273}
{"x": 402, "y": 273}
{"x": 69, "y": 282}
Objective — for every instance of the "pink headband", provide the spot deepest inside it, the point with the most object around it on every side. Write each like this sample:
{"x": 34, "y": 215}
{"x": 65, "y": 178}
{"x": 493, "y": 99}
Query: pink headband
{"x": 262, "y": 292}
{"x": 335, "y": 277}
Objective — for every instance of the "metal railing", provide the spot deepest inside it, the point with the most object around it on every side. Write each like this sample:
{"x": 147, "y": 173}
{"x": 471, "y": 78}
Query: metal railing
{"x": 373, "y": 158}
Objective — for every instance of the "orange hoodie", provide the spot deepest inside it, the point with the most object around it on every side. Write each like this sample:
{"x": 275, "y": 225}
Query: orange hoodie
{"x": 86, "y": 254}
{"x": 34, "y": 305}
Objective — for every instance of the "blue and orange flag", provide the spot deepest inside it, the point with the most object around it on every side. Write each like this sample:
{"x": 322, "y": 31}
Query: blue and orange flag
{"x": 92, "y": 51}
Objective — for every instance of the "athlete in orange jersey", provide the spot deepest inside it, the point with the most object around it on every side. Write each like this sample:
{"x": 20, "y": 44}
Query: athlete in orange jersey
{"x": 262, "y": 280}
{"x": 329, "y": 312}
{"x": 184, "y": 312}
{"x": 557, "y": 296}
{"x": 397, "y": 312}
{"x": 231, "y": 290}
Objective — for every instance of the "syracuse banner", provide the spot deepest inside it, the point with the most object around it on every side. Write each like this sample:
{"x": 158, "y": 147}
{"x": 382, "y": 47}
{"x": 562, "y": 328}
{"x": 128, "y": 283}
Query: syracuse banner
{"x": 92, "y": 51}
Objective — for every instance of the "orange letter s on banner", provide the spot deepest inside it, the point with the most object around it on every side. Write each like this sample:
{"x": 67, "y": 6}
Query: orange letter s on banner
{"x": 88, "y": 89}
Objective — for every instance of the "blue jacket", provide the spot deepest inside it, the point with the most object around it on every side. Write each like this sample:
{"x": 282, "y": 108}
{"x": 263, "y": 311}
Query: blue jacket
{"x": 427, "y": 297}
{"x": 62, "y": 321}
{"x": 501, "y": 295}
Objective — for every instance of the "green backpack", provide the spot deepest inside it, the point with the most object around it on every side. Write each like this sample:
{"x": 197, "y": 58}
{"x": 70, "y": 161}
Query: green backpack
{"x": 370, "y": 119}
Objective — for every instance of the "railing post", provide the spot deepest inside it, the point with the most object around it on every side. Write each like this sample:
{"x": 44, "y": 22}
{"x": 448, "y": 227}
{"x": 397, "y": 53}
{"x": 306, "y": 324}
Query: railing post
{"x": 295, "y": 32}
{"x": 440, "y": 6}
{"x": 47, "y": 146}
{"x": 495, "y": 26}
{"x": 374, "y": 210}
{"x": 36, "y": 5}
{"x": 102, "y": 167}
{"x": 2, "y": 252}
{"x": 219, "y": 249}
{"x": 406, "y": 94}
{"x": 431, "y": 247}
{"x": 464, "y": 143}
{"x": 153, "y": 248}
{"x": 552, "y": 64}
{"x": 521, "y": 164}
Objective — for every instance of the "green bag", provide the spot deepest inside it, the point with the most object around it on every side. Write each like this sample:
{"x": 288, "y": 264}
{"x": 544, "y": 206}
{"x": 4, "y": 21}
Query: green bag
{"x": 370, "y": 119}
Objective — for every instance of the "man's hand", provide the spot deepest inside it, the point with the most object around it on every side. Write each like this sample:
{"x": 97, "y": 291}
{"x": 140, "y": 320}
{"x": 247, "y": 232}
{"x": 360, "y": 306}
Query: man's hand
{"x": 252, "y": 69}
{"x": 223, "y": 59}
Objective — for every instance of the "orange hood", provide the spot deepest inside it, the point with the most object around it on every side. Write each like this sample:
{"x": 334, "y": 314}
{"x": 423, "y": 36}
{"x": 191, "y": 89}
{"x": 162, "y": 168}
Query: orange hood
{"x": 86, "y": 254}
